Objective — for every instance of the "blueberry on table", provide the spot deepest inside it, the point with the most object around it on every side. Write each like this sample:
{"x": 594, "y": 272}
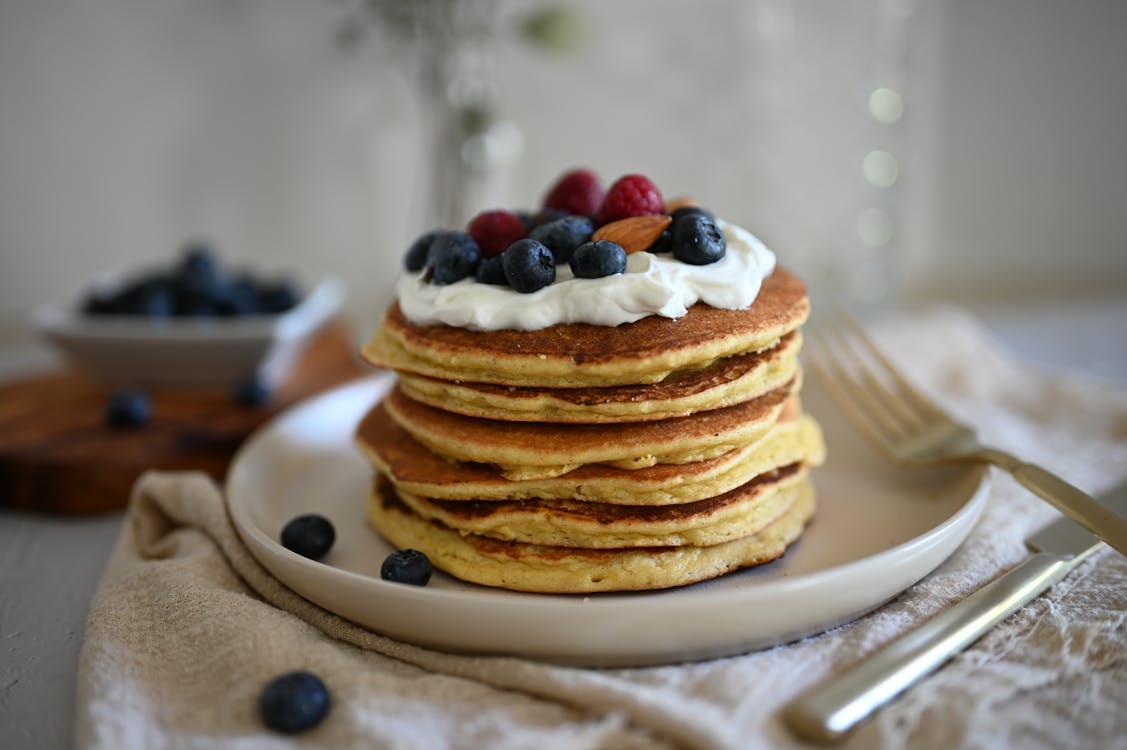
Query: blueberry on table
{"x": 128, "y": 408}
{"x": 251, "y": 392}
{"x": 310, "y": 535}
{"x": 294, "y": 702}
{"x": 453, "y": 257}
{"x": 697, "y": 240}
{"x": 528, "y": 265}
{"x": 407, "y": 566}
{"x": 593, "y": 260}
{"x": 562, "y": 236}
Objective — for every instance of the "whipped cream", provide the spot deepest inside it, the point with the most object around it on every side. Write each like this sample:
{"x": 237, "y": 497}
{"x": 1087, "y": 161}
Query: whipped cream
{"x": 652, "y": 285}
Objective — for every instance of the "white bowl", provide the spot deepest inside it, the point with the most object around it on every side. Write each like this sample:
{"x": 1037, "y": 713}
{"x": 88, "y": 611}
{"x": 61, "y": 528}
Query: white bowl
{"x": 193, "y": 353}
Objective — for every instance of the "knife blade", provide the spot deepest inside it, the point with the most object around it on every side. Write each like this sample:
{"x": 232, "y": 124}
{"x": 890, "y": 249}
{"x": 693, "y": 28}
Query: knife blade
{"x": 827, "y": 712}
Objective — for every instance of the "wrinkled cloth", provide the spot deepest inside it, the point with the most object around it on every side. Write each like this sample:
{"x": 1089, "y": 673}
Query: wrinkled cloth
{"x": 186, "y": 626}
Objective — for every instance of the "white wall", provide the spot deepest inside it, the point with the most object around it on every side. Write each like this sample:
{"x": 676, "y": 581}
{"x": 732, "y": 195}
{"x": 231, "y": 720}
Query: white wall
{"x": 129, "y": 125}
{"x": 1028, "y": 149}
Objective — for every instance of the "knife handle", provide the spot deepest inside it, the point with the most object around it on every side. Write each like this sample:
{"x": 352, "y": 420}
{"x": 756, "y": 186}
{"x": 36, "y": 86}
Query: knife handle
{"x": 826, "y": 713}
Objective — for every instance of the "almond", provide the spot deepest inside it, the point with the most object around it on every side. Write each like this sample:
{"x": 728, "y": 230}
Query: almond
{"x": 635, "y": 233}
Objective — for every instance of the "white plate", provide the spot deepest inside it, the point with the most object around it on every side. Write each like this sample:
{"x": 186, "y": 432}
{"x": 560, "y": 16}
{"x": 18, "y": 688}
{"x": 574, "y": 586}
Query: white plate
{"x": 877, "y": 531}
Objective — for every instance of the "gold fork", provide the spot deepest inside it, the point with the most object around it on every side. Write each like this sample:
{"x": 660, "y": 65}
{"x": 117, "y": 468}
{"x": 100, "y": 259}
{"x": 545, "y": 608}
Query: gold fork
{"x": 911, "y": 430}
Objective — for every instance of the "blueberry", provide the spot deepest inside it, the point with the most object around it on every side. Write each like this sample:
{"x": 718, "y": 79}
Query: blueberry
{"x": 128, "y": 408}
{"x": 153, "y": 300}
{"x": 195, "y": 305}
{"x": 691, "y": 211}
{"x": 697, "y": 240}
{"x": 310, "y": 535}
{"x": 543, "y": 216}
{"x": 562, "y": 236}
{"x": 593, "y": 260}
{"x": 199, "y": 259}
{"x": 416, "y": 257}
{"x": 663, "y": 243}
{"x": 198, "y": 271}
{"x": 492, "y": 271}
{"x": 240, "y": 297}
{"x": 251, "y": 392}
{"x": 278, "y": 297}
{"x": 528, "y": 266}
{"x": 406, "y": 566}
{"x": 453, "y": 256}
{"x": 528, "y": 218}
{"x": 294, "y": 702}
{"x": 100, "y": 302}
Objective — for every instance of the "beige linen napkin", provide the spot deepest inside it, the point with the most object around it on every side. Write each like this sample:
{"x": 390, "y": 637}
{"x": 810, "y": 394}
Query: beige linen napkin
{"x": 186, "y": 627}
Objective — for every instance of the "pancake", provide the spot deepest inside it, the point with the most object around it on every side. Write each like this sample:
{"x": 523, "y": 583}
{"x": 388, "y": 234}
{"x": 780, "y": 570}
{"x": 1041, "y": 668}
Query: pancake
{"x": 528, "y": 450}
{"x": 581, "y": 355}
{"x": 727, "y": 381}
{"x": 576, "y": 523}
{"x": 548, "y": 569}
{"x": 414, "y": 468}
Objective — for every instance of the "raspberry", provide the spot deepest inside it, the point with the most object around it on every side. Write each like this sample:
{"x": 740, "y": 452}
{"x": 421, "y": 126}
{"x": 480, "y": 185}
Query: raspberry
{"x": 632, "y": 195}
{"x": 577, "y": 192}
{"x": 496, "y": 230}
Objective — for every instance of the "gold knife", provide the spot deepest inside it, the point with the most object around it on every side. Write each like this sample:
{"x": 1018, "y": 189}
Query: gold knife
{"x": 827, "y": 712}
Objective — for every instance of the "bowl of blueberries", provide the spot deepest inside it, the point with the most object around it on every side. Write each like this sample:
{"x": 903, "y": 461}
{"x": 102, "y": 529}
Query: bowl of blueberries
{"x": 193, "y": 324}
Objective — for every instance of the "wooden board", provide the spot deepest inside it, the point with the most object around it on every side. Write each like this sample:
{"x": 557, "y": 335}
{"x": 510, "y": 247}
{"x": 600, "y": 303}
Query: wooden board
{"x": 57, "y": 454}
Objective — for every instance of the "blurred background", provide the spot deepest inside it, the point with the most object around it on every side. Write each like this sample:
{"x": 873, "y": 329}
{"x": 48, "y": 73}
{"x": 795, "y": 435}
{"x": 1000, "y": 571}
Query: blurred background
{"x": 891, "y": 150}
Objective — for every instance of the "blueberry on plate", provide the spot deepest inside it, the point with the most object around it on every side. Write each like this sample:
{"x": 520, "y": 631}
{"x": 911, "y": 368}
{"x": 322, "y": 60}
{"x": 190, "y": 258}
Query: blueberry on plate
{"x": 562, "y": 236}
{"x": 128, "y": 408}
{"x": 294, "y": 702}
{"x": 528, "y": 265}
{"x": 453, "y": 256}
{"x": 416, "y": 256}
{"x": 593, "y": 260}
{"x": 663, "y": 243}
{"x": 698, "y": 241}
{"x": 543, "y": 216}
{"x": 492, "y": 271}
{"x": 691, "y": 211}
{"x": 407, "y": 566}
{"x": 310, "y": 535}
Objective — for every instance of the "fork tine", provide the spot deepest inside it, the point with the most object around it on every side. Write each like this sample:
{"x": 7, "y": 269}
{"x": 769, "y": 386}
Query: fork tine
{"x": 848, "y": 395}
{"x": 883, "y": 387}
{"x": 921, "y": 402}
{"x": 851, "y": 373}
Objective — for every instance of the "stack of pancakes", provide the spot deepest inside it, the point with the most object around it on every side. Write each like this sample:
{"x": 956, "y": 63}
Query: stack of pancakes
{"x": 580, "y": 458}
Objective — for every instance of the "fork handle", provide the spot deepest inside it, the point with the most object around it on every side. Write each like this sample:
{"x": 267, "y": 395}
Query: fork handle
{"x": 1079, "y": 506}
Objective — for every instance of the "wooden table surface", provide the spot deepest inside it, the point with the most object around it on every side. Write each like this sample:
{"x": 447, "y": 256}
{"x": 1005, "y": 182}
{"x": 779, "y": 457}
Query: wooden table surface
{"x": 58, "y": 454}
